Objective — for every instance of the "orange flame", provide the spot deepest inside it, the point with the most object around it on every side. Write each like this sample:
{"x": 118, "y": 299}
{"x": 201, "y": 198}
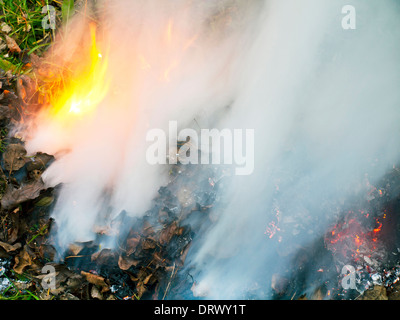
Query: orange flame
{"x": 86, "y": 89}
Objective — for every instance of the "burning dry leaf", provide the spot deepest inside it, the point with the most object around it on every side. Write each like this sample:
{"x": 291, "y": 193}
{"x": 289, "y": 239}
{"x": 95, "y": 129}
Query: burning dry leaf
{"x": 21, "y": 90}
{"x": 14, "y": 157}
{"x": 12, "y": 45}
{"x": 26, "y": 87}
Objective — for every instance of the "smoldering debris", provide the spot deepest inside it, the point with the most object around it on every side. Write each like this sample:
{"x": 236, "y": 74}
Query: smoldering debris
{"x": 322, "y": 101}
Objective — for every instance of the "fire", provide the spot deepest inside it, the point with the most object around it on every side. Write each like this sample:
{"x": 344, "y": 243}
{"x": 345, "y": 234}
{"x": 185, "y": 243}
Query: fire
{"x": 174, "y": 40}
{"x": 379, "y": 228}
{"x": 85, "y": 85}
{"x": 84, "y": 89}
{"x": 272, "y": 227}
{"x": 350, "y": 236}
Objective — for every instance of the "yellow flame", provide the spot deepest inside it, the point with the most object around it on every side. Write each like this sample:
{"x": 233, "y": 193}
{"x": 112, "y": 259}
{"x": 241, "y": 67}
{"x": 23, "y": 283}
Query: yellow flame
{"x": 85, "y": 90}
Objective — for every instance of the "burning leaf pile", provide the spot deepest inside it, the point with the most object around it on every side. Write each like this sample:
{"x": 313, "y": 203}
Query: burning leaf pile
{"x": 366, "y": 238}
{"x": 109, "y": 224}
{"x": 148, "y": 260}
{"x": 149, "y": 255}
{"x": 150, "y": 250}
{"x": 357, "y": 258}
{"x": 153, "y": 250}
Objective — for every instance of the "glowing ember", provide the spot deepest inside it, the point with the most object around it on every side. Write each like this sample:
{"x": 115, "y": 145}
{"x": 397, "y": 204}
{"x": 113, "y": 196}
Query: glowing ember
{"x": 272, "y": 227}
{"x": 350, "y": 240}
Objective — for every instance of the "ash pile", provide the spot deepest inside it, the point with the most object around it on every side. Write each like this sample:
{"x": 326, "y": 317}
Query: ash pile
{"x": 149, "y": 254}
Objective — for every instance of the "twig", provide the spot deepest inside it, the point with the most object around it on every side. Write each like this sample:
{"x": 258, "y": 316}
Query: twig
{"x": 169, "y": 282}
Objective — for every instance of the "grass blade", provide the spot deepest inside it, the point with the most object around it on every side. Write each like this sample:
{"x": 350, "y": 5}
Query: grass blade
{"x": 67, "y": 10}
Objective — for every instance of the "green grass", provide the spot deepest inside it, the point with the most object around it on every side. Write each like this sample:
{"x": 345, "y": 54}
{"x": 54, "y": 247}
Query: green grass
{"x": 13, "y": 293}
{"x": 25, "y": 17}
{"x": 20, "y": 295}
{"x": 38, "y": 232}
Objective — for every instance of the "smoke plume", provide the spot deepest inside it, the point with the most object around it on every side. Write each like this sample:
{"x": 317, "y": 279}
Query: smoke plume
{"x": 323, "y": 102}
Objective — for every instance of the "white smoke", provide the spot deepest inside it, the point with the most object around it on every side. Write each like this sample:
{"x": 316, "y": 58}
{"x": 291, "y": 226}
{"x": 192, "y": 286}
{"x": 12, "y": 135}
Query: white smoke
{"x": 163, "y": 66}
{"x": 324, "y": 106}
{"x": 323, "y": 102}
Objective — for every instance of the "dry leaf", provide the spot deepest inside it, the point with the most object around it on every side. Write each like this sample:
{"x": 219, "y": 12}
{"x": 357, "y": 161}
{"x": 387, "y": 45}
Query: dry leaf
{"x": 146, "y": 280}
{"x": 375, "y": 293}
{"x": 125, "y": 263}
{"x": 5, "y": 27}
{"x": 104, "y": 257}
{"x": 95, "y": 293}
{"x": 148, "y": 244}
{"x": 22, "y": 260}
{"x": 39, "y": 161}
{"x": 140, "y": 289}
{"x": 131, "y": 244}
{"x": 12, "y": 45}
{"x": 14, "y": 157}
{"x": 9, "y": 247}
{"x": 167, "y": 233}
{"x": 75, "y": 248}
{"x": 13, "y": 197}
{"x": 96, "y": 280}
